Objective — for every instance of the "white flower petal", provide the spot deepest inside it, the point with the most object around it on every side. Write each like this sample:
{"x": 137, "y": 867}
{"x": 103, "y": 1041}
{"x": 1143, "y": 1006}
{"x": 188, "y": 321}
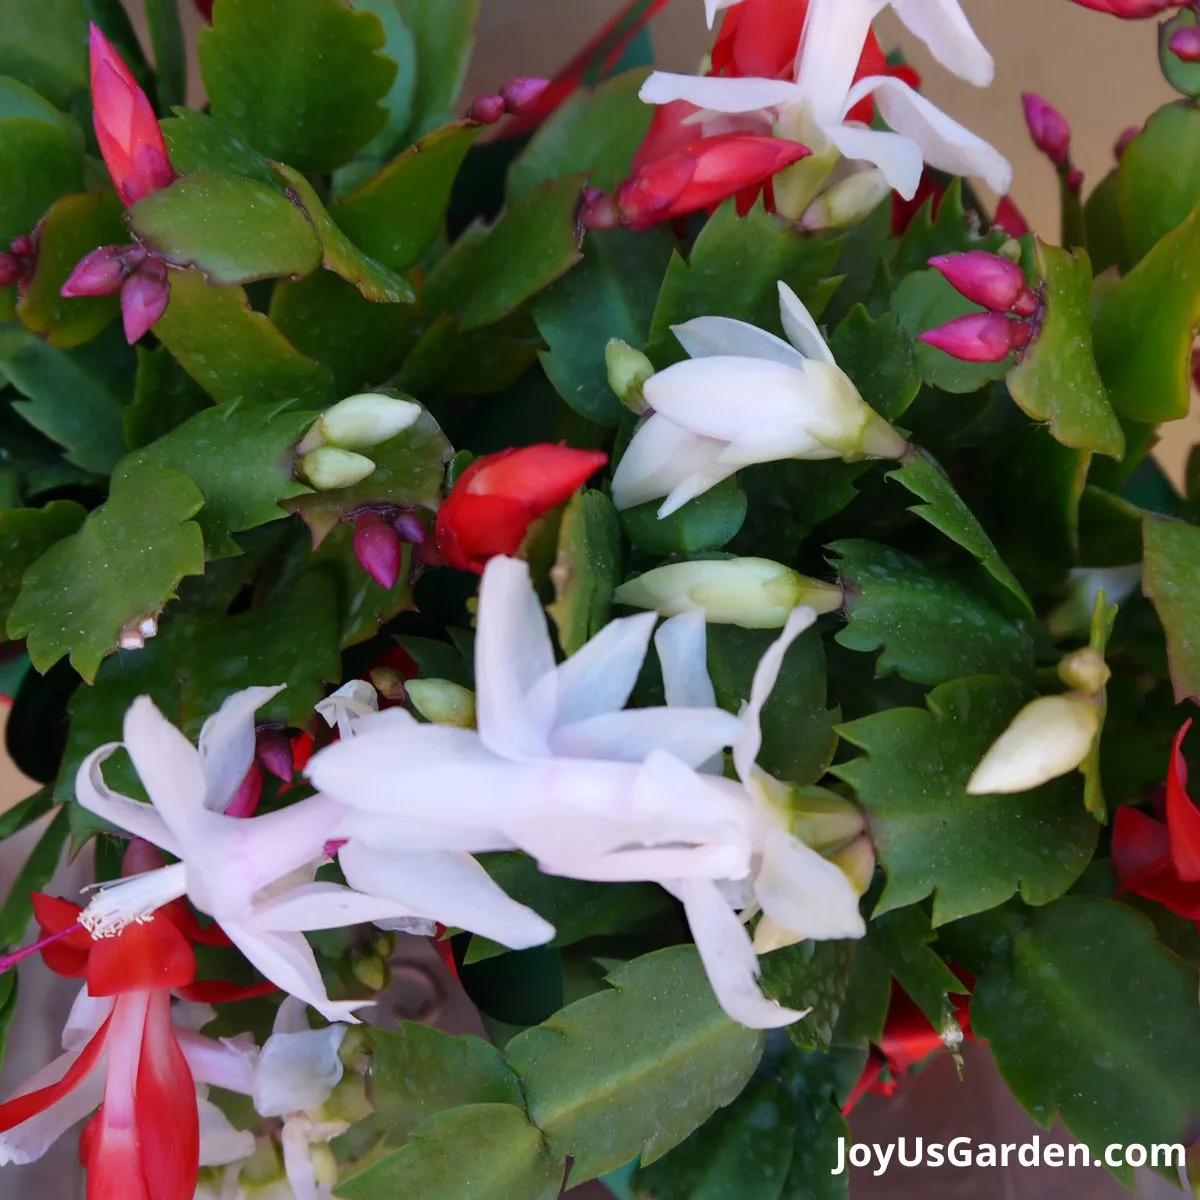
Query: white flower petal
{"x": 708, "y": 337}
{"x": 287, "y": 961}
{"x": 660, "y": 458}
{"x": 804, "y": 893}
{"x": 452, "y": 889}
{"x": 944, "y": 143}
{"x": 682, "y": 645}
{"x": 835, "y": 33}
{"x": 323, "y": 906}
{"x": 142, "y": 820}
{"x": 697, "y": 484}
{"x": 728, "y": 957}
{"x": 944, "y": 28}
{"x": 651, "y": 865}
{"x": 512, "y": 655}
{"x": 719, "y": 95}
{"x": 294, "y": 1141}
{"x": 297, "y": 1072}
{"x": 351, "y": 703}
{"x": 712, "y": 7}
{"x": 692, "y": 735}
{"x": 226, "y": 744}
{"x": 220, "y": 1142}
{"x": 87, "y": 1014}
{"x": 898, "y": 158}
{"x": 413, "y": 832}
{"x": 801, "y": 329}
{"x": 746, "y": 748}
{"x": 27, "y": 1142}
{"x": 224, "y": 1064}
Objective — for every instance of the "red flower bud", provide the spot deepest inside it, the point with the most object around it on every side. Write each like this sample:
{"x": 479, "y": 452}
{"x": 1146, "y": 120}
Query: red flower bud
{"x": 273, "y": 752}
{"x": 523, "y": 93}
{"x": 979, "y": 337}
{"x": 700, "y": 176}
{"x": 144, "y": 298}
{"x": 487, "y": 110}
{"x": 12, "y": 271}
{"x": 1130, "y": 10}
{"x": 378, "y": 548}
{"x": 996, "y": 283}
{"x": 126, "y": 127}
{"x": 204, "y": 8}
{"x": 1185, "y": 43}
{"x": 496, "y": 499}
{"x": 1048, "y": 127}
{"x": 100, "y": 273}
{"x": 1183, "y": 817}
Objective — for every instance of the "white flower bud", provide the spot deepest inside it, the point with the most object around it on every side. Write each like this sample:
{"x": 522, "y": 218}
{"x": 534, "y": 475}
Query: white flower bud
{"x": 1084, "y": 671}
{"x": 328, "y": 468}
{"x": 857, "y": 861}
{"x": 443, "y": 702}
{"x": 846, "y": 202}
{"x": 754, "y": 593}
{"x": 628, "y": 370}
{"x": 1047, "y": 738}
{"x": 361, "y": 421}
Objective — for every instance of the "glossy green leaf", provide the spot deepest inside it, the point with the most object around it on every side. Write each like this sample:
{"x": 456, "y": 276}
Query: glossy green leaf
{"x": 73, "y": 396}
{"x": 1158, "y": 177}
{"x": 1104, "y": 227}
{"x": 816, "y": 1081}
{"x": 164, "y": 396}
{"x": 319, "y": 101}
{"x": 743, "y": 1152}
{"x": 444, "y": 34}
{"x": 1145, "y": 329}
{"x": 609, "y": 295}
{"x": 944, "y": 509}
{"x": 124, "y": 562}
{"x": 232, "y": 228}
{"x": 166, "y": 38}
{"x": 636, "y": 1068}
{"x": 586, "y": 569}
{"x": 597, "y": 131}
{"x": 43, "y": 860}
{"x": 401, "y": 47}
{"x": 42, "y": 161}
{"x": 797, "y": 729}
{"x": 1090, "y": 1017}
{"x": 923, "y": 301}
{"x": 234, "y": 353}
{"x": 361, "y": 342}
{"x": 906, "y": 938}
{"x": 396, "y": 215}
{"x": 292, "y": 641}
{"x": 43, "y": 43}
{"x": 73, "y": 227}
{"x": 1057, "y": 381}
{"x": 25, "y": 535}
{"x": 878, "y": 356}
{"x": 733, "y": 271}
{"x": 1171, "y": 578}
{"x": 706, "y": 523}
{"x": 478, "y": 1152}
{"x": 814, "y": 976}
{"x": 970, "y": 852}
{"x": 240, "y": 457}
{"x": 198, "y": 143}
{"x": 339, "y": 254}
{"x": 950, "y": 231}
{"x": 479, "y": 362}
{"x": 930, "y": 628}
{"x": 23, "y": 814}
{"x": 409, "y": 470}
{"x": 420, "y": 1071}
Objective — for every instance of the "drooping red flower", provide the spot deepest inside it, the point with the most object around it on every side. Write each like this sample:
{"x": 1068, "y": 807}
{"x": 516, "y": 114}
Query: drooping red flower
{"x": 126, "y": 128}
{"x": 496, "y": 499}
{"x": 1160, "y": 860}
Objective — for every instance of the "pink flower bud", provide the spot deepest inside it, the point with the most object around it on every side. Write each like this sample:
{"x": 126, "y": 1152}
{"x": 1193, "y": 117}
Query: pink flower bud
{"x": 1026, "y": 304}
{"x": 11, "y": 270}
{"x": 487, "y": 110}
{"x": 979, "y": 337}
{"x": 100, "y": 273}
{"x": 25, "y": 246}
{"x": 1185, "y": 43}
{"x": 273, "y": 752}
{"x": 245, "y": 799}
{"x": 1130, "y": 10}
{"x": 144, "y": 298}
{"x": 1074, "y": 179}
{"x": 377, "y": 547}
{"x": 1048, "y": 127}
{"x": 523, "y": 92}
{"x": 408, "y": 526}
{"x": 599, "y": 211}
{"x": 987, "y": 279}
{"x": 1123, "y": 141}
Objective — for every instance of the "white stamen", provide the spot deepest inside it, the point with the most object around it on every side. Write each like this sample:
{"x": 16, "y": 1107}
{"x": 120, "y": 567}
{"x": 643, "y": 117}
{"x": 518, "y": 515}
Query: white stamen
{"x": 133, "y": 901}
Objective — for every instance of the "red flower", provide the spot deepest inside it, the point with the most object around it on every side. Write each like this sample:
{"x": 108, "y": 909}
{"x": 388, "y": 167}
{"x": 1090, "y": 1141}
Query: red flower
{"x": 126, "y": 127}
{"x": 1160, "y": 860}
{"x": 1010, "y": 218}
{"x": 496, "y": 499}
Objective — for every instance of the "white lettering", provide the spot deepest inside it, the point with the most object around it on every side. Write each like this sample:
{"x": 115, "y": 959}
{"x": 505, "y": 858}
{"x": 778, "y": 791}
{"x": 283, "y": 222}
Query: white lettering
{"x": 1053, "y": 1156}
{"x": 884, "y": 1154}
{"x": 962, "y": 1158}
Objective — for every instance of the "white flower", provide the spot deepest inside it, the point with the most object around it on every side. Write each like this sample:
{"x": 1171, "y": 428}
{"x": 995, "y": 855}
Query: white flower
{"x": 743, "y": 397}
{"x": 815, "y": 107}
{"x": 253, "y": 876}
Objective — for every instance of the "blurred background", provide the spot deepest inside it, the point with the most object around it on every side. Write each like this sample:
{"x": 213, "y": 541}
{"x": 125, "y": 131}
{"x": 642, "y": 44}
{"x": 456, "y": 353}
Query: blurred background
{"x": 1103, "y": 75}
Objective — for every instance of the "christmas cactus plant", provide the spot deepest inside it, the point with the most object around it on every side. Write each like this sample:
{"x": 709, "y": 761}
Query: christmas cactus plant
{"x": 661, "y": 537}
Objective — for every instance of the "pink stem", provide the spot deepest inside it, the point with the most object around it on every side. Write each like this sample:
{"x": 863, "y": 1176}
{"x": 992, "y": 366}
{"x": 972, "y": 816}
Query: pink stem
{"x": 8, "y": 961}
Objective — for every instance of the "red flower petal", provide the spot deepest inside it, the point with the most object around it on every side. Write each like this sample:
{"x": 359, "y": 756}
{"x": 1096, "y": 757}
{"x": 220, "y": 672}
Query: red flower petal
{"x": 21, "y": 1108}
{"x": 144, "y": 956}
{"x": 1142, "y": 863}
{"x": 1183, "y": 817}
{"x": 216, "y": 991}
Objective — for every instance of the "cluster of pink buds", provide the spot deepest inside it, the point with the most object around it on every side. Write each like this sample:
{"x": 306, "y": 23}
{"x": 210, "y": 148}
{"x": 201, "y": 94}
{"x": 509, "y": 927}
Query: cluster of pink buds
{"x": 379, "y": 538}
{"x": 140, "y": 277}
{"x": 517, "y": 96}
{"x": 1052, "y": 136}
{"x": 18, "y": 262}
{"x": 998, "y": 284}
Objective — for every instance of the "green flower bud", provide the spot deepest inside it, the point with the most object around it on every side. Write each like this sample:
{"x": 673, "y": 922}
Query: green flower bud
{"x": 327, "y": 468}
{"x": 628, "y": 370}
{"x": 846, "y": 203}
{"x": 443, "y": 702}
{"x": 371, "y": 971}
{"x": 1084, "y": 671}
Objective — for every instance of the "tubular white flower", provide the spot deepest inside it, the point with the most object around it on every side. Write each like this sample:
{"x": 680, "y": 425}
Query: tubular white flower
{"x": 746, "y": 396}
{"x": 815, "y": 108}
